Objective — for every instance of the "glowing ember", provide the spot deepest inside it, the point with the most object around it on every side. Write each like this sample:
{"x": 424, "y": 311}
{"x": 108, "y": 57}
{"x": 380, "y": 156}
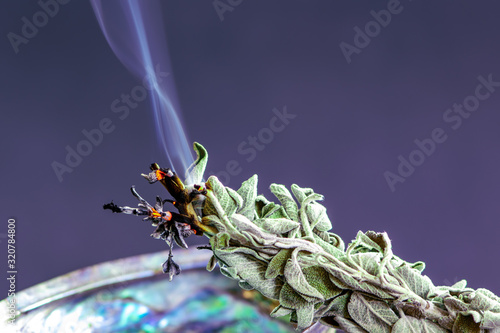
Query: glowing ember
{"x": 171, "y": 226}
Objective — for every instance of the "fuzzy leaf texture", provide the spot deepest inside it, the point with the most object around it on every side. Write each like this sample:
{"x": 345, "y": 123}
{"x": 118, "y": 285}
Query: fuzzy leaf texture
{"x": 287, "y": 251}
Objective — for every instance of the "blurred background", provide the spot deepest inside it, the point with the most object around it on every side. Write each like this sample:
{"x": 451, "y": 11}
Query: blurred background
{"x": 357, "y": 98}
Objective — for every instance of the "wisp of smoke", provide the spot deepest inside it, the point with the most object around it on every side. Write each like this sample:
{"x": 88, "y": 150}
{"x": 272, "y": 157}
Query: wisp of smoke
{"x": 135, "y": 32}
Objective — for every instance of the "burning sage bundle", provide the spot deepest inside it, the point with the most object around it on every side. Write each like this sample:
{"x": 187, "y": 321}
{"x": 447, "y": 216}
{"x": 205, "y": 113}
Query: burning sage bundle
{"x": 287, "y": 252}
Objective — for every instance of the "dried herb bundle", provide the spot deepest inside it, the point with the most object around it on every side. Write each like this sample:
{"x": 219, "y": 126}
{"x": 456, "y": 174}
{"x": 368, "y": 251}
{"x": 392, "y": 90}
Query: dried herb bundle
{"x": 287, "y": 252}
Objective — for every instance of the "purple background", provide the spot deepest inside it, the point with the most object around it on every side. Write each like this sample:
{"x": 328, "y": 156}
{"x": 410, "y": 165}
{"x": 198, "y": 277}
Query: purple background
{"x": 353, "y": 121}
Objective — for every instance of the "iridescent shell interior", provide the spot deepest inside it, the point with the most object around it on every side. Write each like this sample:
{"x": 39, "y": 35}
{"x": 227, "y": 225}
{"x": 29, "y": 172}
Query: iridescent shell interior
{"x": 133, "y": 295}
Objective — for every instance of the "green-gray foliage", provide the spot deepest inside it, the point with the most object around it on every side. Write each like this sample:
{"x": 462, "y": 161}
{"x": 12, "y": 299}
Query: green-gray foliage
{"x": 287, "y": 252}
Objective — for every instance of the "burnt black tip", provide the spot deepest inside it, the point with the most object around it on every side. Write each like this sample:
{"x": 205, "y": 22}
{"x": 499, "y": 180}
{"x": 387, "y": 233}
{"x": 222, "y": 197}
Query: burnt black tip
{"x": 111, "y": 206}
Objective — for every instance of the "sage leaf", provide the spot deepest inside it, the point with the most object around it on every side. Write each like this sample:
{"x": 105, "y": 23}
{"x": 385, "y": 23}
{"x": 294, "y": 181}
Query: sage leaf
{"x": 214, "y": 221}
{"x": 331, "y": 239}
{"x": 454, "y": 305}
{"x": 236, "y": 197}
{"x": 489, "y": 294}
{"x": 338, "y": 305}
{"x": 226, "y": 201}
{"x": 476, "y": 316}
{"x": 319, "y": 279}
{"x": 325, "y": 236}
{"x": 345, "y": 281}
{"x": 491, "y": 320}
{"x": 329, "y": 248}
{"x": 446, "y": 322}
{"x": 278, "y": 226}
{"x": 419, "y": 284}
{"x": 229, "y": 272}
{"x": 260, "y": 203}
{"x": 269, "y": 208}
{"x": 373, "y": 315}
{"x": 280, "y": 311}
{"x": 277, "y": 264}
{"x": 194, "y": 173}
{"x": 291, "y": 299}
{"x": 248, "y": 192}
{"x": 296, "y": 279}
{"x": 245, "y": 285}
{"x": 253, "y": 272}
{"x": 305, "y": 316}
{"x": 370, "y": 241}
{"x": 284, "y": 196}
{"x": 409, "y": 324}
{"x": 211, "y": 263}
{"x": 278, "y": 213}
{"x": 301, "y": 193}
{"x": 465, "y": 324}
{"x": 303, "y": 310}
{"x": 336, "y": 241}
{"x": 459, "y": 286}
{"x": 349, "y": 325}
{"x": 369, "y": 262}
{"x": 315, "y": 212}
{"x": 481, "y": 301}
{"x": 220, "y": 240}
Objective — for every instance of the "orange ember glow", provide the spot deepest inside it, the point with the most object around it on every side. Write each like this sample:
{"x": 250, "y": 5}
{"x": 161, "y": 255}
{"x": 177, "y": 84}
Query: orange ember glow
{"x": 155, "y": 214}
{"x": 160, "y": 174}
